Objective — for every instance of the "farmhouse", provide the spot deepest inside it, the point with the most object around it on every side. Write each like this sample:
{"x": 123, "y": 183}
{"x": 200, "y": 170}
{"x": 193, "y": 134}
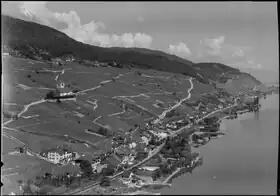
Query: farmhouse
{"x": 62, "y": 90}
{"x": 59, "y": 155}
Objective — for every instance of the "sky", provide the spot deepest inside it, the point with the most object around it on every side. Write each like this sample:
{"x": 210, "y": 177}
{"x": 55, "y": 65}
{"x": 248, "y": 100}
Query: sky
{"x": 239, "y": 34}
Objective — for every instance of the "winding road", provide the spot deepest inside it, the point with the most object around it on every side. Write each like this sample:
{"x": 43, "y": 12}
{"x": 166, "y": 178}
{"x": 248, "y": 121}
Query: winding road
{"x": 176, "y": 105}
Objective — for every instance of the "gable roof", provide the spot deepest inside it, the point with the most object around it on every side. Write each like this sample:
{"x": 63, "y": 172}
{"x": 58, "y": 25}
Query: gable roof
{"x": 64, "y": 90}
{"x": 111, "y": 160}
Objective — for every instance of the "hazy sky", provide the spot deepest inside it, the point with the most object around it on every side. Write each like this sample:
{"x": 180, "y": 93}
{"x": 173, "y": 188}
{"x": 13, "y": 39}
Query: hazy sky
{"x": 240, "y": 34}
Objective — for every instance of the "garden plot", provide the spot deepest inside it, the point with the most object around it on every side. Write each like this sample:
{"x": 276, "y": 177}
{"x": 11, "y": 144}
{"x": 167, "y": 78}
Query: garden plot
{"x": 140, "y": 120}
{"x": 66, "y": 128}
{"x": 117, "y": 89}
{"x": 26, "y": 123}
{"x": 82, "y": 81}
{"x": 11, "y": 108}
{"x": 114, "y": 123}
{"x": 202, "y": 88}
{"x": 106, "y": 108}
{"x": 126, "y": 117}
{"x": 148, "y": 103}
{"x": 8, "y": 145}
{"x": 183, "y": 109}
{"x": 13, "y": 94}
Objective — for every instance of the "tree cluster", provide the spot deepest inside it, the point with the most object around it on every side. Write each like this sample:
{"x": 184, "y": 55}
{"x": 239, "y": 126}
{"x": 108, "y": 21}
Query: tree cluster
{"x": 172, "y": 113}
{"x": 103, "y": 131}
{"x": 50, "y": 95}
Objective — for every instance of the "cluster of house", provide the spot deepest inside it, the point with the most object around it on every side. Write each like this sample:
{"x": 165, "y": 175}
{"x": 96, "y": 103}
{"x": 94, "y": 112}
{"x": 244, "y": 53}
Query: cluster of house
{"x": 59, "y": 155}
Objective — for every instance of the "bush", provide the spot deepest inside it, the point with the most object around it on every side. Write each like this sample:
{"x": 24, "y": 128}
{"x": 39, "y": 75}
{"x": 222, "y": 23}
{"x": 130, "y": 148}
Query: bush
{"x": 107, "y": 171}
{"x": 103, "y": 131}
{"x": 86, "y": 167}
{"x": 50, "y": 95}
{"x": 105, "y": 181}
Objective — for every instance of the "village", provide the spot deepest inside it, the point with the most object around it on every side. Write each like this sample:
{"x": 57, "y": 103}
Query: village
{"x": 152, "y": 155}
{"x": 145, "y": 156}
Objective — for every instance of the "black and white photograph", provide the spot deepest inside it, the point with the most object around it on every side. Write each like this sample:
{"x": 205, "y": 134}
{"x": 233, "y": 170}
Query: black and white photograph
{"x": 139, "y": 98}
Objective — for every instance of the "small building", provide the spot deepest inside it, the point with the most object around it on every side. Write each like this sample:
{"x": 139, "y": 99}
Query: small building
{"x": 145, "y": 140}
{"x": 122, "y": 151}
{"x": 111, "y": 161}
{"x": 127, "y": 174}
{"x": 150, "y": 168}
{"x": 62, "y": 90}
{"x": 98, "y": 167}
{"x": 21, "y": 150}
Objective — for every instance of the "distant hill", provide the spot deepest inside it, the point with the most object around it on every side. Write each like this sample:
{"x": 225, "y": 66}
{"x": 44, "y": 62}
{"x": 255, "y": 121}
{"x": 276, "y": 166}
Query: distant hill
{"x": 27, "y": 37}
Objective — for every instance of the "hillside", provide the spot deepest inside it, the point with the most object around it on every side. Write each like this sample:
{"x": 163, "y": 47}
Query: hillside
{"x": 27, "y": 36}
{"x": 222, "y": 73}
{"x": 19, "y": 34}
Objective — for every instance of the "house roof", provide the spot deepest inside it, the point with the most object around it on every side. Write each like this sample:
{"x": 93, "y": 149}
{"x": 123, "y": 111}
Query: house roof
{"x": 136, "y": 135}
{"x": 122, "y": 151}
{"x": 111, "y": 160}
{"x": 64, "y": 90}
{"x": 58, "y": 150}
{"x": 126, "y": 174}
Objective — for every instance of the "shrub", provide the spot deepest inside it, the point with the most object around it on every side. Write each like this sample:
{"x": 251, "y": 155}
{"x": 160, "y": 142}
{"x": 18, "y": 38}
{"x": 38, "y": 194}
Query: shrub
{"x": 105, "y": 181}
{"x": 86, "y": 167}
{"x": 50, "y": 95}
{"x": 103, "y": 131}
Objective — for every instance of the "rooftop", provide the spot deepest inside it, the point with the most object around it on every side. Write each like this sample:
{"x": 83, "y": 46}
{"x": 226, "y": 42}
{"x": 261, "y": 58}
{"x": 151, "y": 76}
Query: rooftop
{"x": 64, "y": 90}
{"x": 111, "y": 160}
{"x": 58, "y": 150}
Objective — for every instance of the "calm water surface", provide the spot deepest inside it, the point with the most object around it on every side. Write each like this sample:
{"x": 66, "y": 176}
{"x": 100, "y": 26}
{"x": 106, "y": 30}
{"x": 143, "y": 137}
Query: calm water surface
{"x": 242, "y": 162}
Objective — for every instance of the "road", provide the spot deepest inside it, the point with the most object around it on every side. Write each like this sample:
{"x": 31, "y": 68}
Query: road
{"x": 169, "y": 177}
{"x": 176, "y": 105}
{"x": 102, "y": 82}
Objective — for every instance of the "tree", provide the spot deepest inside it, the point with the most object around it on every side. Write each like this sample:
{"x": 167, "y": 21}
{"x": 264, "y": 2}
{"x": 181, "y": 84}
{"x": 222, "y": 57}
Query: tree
{"x": 105, "y": 181}
{"x": 26, "y": 188}
{"x": 108, "y": 171}
{"x": 44, "y": 190}
{"x": 103, "y": 131}
{"x": 50, "y": 95}
{"x": 86, "y": 167}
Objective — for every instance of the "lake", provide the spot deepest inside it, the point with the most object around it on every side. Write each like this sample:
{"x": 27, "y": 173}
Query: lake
{"x": 242, "y": 162}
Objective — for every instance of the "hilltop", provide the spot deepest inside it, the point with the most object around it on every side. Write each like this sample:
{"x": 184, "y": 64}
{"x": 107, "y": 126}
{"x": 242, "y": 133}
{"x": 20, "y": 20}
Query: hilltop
{"x": 26, "y": 37}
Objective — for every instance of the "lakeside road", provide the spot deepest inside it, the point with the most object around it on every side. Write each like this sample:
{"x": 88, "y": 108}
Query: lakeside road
{"x": 92, "y": 186}
{"x": 175, "y": 133}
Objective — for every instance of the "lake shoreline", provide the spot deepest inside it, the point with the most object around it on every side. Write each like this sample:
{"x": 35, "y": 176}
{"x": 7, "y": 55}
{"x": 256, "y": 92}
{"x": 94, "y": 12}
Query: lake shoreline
{"x": 222, "y": 172}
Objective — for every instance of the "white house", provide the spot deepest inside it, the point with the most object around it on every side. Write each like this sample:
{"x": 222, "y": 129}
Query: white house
{"x": 132, "y": 145}
{"x": 149, "y": 168}
{"x": 145, "y": 140}
{"x": 59, "y": 155}
{"x": 63, "y": 91}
